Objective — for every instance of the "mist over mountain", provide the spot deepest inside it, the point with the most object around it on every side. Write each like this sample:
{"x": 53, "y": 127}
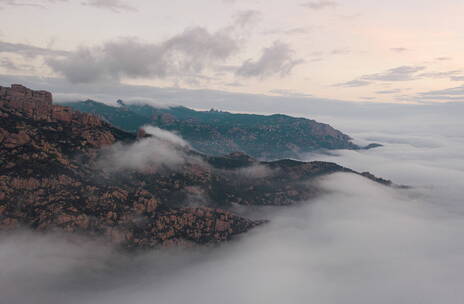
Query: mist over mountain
{"x": 76, "y": 173}
{"x": 360, "y": 242}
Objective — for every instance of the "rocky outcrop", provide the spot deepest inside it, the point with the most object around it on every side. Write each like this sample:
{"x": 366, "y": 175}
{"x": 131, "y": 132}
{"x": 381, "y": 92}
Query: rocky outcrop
{"x": 38, "y": 105}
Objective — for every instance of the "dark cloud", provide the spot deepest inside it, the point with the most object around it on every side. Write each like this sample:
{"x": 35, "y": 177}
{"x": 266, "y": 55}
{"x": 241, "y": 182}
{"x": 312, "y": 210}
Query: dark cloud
{"x": 278, "y": 59}
{"x": 320, "y": 4}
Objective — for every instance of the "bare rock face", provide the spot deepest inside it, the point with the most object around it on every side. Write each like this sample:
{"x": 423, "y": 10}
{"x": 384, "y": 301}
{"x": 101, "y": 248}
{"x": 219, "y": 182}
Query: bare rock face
{"x": 37, "y": 106}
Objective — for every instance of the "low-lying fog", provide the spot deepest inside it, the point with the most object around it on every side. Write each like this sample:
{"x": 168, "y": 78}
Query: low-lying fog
{"x": 362, "y": 243}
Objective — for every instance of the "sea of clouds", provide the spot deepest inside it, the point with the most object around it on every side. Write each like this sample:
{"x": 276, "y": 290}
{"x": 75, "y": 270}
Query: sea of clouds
{"x": 359, "y": 243}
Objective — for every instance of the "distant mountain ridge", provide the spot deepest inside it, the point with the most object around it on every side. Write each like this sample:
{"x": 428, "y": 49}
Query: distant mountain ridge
{"x": 218, "y": 133}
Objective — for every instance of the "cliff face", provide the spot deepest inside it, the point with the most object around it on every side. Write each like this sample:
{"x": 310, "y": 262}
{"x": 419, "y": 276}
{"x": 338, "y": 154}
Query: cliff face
{"x": 51, "y": 178}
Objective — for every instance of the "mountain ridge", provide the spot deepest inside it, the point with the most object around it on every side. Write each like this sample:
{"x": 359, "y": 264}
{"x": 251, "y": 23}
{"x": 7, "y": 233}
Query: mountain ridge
{"x": 217, "y": 133}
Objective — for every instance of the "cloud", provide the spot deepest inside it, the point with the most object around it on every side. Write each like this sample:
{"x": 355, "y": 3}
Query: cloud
{"x": 289, "y": 31}
{"x": 278, "y": 59}
{"x": 451, "y": 91}
{"x": 166, "y": 136}
{"x": 27, "y": 50}
{"x": 246, "y": 18}
{"x": 320, "y": 4}
{"x": 353, "y": 84}
{"x": 393, "y": 91}
{"x": 10, "y": 65}
{"x": 19, "y": 3}
{"x": 162, "y": 150}
{"x": 255, "y": 172}
{"x": 186, "y": 54}
{"x": 399, "y": 49}
{"x": 297, "y": 31}
{"x": 289, "y": 93}
{"x": 340, "y": 52}
{"x": 457, "y": 78}
{"x": 454, "y": 75}
{"x": 402, "y": 73}
{"x": 450, "y": 94}
{"x": 116, "y": 6}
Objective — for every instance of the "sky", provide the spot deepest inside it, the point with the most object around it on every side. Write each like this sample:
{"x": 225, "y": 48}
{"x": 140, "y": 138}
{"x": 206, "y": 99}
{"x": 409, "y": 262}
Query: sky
{"x": 407, "y": 51}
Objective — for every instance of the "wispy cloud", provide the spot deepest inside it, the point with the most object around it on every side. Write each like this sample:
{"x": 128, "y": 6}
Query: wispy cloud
{"x": 116, "y": 6}
{"x": 450, "y": 94}
{"x": 402, "y": 73}
{"x": 385, "y": 92}
{"x": 289, "y": 93}
{"x": 353, "y": 83}
{"x": 28, "y": 50}
{"x": 399, "y": 49}
{"x": 320, "y": 4}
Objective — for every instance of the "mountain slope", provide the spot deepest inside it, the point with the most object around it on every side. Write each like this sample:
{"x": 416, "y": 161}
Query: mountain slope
{"x": 218, "y": 133}
{"x": 62, "y": 170}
